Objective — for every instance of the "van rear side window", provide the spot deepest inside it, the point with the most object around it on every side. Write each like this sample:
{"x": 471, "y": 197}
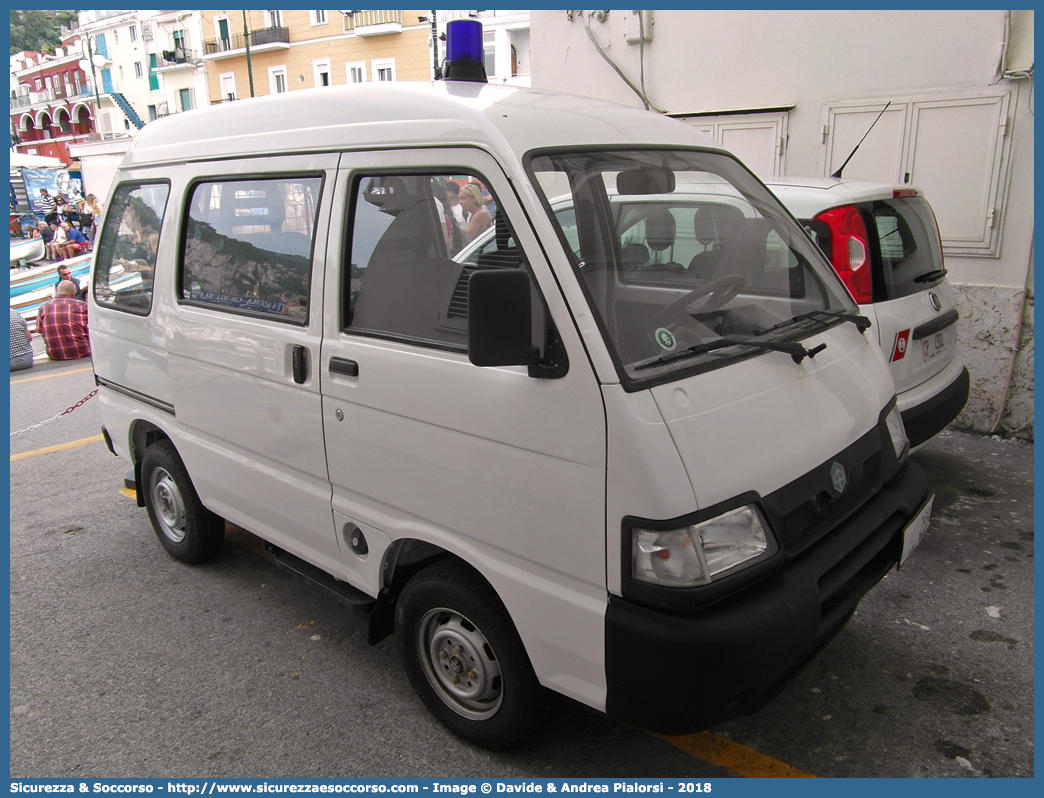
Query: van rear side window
{"x": 248, "y": 246}
{"x": 126, "y": 258}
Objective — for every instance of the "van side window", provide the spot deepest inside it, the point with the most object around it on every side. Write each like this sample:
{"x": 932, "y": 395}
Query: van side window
{"x": 248, "y": 246}
{"x": 126, "y": 258}
{"x": 414, "y": 246}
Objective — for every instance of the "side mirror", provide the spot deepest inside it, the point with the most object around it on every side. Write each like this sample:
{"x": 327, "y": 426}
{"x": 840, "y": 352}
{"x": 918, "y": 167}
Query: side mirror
{"x": 500, "y": 320}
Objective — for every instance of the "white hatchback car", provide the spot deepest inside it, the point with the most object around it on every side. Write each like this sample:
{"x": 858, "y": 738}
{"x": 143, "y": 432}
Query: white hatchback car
{"x": 883, "y": 241}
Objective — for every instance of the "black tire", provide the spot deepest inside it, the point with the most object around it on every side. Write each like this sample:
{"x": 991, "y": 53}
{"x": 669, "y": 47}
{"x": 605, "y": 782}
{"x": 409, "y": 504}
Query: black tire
{"x": 188, "y": 530}
{"x": 450, "y": 624}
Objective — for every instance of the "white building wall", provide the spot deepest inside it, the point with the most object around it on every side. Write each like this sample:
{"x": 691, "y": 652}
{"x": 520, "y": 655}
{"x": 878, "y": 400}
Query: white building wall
{"x": 173, "y": 82}
{"x": 123, "y": 53}
{"x": 805, "y": 62}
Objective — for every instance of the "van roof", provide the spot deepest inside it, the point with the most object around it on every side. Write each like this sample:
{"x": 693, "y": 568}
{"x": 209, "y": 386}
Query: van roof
{"x": 396, "y": 115}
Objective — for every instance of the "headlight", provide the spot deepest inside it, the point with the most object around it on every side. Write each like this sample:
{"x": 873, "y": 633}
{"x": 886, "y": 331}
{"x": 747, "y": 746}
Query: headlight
{"x": 897, "y": 432}
{"x": 698, "y": 554}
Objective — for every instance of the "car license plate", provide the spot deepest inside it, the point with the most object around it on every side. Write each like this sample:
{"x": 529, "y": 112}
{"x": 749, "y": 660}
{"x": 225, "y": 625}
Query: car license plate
{"x": 933, "y": 346}
{"x": 914, "y": 531}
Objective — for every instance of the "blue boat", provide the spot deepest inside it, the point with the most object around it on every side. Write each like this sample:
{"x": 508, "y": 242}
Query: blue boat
{"x": 46, "y": 275}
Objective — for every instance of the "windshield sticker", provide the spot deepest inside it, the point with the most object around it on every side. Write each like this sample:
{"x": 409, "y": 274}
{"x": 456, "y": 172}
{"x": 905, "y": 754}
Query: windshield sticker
{"x": 665, "y": 338}
{"x": 899, "y": 350}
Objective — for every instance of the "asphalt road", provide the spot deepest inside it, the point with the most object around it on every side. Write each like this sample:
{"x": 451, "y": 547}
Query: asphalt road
{"x": 126, "y": 663}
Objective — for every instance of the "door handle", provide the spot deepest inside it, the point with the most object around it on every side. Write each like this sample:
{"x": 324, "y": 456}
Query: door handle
{"x": 300, "y": 363}
{"x": 340, "y": 365}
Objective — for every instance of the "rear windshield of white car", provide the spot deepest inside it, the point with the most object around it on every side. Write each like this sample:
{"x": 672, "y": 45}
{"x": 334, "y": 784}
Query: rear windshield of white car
{"x": 908, "y": 241}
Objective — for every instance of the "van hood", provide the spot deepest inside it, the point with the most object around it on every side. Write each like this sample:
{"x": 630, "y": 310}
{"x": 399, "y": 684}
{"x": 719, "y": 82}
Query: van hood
{"x": 759, "y": 424}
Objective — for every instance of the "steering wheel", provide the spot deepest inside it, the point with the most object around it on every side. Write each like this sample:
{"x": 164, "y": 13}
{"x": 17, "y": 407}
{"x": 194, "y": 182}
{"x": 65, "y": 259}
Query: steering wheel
{"x": 715, "y": 294}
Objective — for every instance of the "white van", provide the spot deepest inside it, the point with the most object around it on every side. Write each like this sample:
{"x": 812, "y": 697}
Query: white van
{"x": 563, "y": 459}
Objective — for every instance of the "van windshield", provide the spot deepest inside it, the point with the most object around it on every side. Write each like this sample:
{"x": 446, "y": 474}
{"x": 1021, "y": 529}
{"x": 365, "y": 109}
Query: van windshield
{"x": 686, "y": 258}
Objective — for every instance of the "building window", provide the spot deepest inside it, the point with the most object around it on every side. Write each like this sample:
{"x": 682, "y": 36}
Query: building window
{"x": 274, "y": 19}
{"x": 153, "y": 77}
{"x": 318, "y": 18}
{"x": 489, "y": 53}
{"x": 321, "y": 72}
{"x": 138, "y": 72}
{"x": 277, "y": 80}
{"x": 228, "y": 86}
{"x": 224, "y": 34}
{"x": 179, "y": 39}
{"x": 133, "y": 33}
{"x": 384, "y": 69}
{"x": 356, "y": 71}
{"x": 153, "y": 116}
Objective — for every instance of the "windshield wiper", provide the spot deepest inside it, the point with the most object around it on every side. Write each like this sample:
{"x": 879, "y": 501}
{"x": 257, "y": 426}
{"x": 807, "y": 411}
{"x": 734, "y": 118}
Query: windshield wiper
{"x": 862, "y": 322}
{"x": 930, "y": 277}
{"x": 795, "y": 350}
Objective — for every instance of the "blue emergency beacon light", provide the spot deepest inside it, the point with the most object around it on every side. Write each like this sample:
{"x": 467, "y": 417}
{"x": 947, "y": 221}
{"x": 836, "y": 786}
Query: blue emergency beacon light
{"x": 464, "y": 52}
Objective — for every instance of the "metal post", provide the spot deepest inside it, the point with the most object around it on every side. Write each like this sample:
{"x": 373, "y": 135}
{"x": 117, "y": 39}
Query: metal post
{"x": 435, "y": 45}
{"x": 250, "y": 64}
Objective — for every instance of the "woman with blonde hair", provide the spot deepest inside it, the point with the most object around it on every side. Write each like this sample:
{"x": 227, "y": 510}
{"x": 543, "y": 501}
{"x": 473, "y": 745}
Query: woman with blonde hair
{"x": 90, "y": 214}
{"x": 479, "y": 218}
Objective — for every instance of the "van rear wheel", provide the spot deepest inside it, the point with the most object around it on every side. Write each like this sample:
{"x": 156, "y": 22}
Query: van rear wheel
{"x": 186, "y": 529}
{"x": 465, "y": 659}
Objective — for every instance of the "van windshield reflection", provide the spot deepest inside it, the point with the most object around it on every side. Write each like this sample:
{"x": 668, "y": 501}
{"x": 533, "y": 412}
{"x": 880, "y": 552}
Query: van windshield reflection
{"x": 686, "y": 259}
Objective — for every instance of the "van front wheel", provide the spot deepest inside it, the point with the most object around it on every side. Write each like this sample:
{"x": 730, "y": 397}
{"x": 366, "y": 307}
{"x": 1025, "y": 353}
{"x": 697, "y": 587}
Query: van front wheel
{"x": 188, "y": 530}
{"x": 465, "y": 659}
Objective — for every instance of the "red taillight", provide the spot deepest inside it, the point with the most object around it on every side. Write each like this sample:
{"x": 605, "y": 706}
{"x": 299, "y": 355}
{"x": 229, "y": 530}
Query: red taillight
{"x": 850, "y": 251}
{"x": 903, "y": 193}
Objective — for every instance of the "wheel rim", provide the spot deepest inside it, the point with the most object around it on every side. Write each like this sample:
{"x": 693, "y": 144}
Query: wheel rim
{"x": 168, "y": 505}
{"x": 460, "y": 664}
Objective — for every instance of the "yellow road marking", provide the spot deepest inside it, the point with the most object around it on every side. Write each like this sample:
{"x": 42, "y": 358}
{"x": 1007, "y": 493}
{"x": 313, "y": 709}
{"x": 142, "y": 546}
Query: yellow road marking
{"x": 58, "y": 448}
{"x": 130, "y": 493}
{"x": 53, "y": 374}
{"x": 738, "y": 758}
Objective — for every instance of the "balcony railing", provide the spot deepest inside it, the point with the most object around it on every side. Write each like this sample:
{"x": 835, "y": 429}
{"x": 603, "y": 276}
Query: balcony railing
{"x": 238, "y": 41}
{"x": 50, "y": 96}
{"x": 449, "y": 16}
{"x": 359, "y": 21}
{"x": 178, "y": 57}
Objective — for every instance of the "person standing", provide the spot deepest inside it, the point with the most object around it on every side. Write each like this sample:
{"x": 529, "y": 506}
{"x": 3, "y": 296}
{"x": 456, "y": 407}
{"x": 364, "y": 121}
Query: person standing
{"x": 90, "y": 215}
{"x": 48, "y": 207}
{"x": 453, "y": 198}
{"x": 21, "y": 343}
{"x": 478, "y": 217}
{"x": 63, "y": 324}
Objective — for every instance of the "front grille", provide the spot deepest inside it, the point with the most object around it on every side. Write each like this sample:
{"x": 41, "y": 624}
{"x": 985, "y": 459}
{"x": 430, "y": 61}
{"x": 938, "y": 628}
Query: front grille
{"x": 809, "y": 508}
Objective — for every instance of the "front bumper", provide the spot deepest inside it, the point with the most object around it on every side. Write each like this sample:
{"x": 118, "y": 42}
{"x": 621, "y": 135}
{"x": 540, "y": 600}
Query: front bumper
{"x": 676, "y": 673}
